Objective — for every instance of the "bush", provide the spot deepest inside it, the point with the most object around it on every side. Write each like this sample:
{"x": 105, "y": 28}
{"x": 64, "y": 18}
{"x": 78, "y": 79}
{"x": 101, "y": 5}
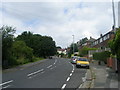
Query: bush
{"x": 101, "y": 56}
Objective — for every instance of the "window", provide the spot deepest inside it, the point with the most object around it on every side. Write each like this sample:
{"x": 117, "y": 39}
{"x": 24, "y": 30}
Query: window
{"x": 100, "y": 40}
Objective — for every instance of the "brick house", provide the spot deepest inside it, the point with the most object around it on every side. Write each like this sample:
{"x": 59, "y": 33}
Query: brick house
{"x": 102, "y": 41}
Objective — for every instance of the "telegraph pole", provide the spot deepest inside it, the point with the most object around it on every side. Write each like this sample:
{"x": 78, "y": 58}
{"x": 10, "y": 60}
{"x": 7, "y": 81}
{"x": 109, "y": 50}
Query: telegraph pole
{"x": 114, "y": 21}
{"x": 73, "y": 44}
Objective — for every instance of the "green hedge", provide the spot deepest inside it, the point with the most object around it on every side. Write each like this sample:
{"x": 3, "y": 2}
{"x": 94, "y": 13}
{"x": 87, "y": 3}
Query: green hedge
{"x": 101, "y": 56}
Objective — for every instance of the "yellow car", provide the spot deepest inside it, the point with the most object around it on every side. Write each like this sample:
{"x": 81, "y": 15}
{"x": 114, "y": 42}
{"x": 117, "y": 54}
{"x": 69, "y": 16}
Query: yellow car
{"x": 82, "y": 62}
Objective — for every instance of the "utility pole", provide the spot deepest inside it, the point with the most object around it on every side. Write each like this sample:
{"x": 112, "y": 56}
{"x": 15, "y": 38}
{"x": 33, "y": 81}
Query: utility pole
{"x": 73, "y": 44}
{"x": 114, "y": 21}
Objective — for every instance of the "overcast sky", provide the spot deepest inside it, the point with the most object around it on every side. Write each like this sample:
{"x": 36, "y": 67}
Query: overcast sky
{"x": 60, "y": 20}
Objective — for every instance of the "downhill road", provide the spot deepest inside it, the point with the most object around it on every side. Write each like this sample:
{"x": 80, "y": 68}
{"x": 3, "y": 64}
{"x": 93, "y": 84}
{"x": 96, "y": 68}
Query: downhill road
{"x": 52, "y": 73}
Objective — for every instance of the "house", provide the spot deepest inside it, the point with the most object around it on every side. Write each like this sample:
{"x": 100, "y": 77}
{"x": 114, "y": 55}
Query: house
{"x": 102, "y": 41}
{"x": 87, "y": 43}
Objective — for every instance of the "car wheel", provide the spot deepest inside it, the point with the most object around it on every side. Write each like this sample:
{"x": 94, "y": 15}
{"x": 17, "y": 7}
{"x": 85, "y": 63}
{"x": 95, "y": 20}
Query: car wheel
{"x": 76, "y": 66}
{"x": 88, "y": 67}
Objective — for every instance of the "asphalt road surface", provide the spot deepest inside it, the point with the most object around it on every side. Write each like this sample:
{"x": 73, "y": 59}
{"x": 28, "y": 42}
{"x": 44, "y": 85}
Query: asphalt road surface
{"x": 52, "y": 73}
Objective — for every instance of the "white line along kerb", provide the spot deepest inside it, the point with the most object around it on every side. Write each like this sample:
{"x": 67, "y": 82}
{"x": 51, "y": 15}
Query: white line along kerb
{"x": 35, "y": 72}
{"x": 63, "y": 86}
{"x": 6, "y": 82}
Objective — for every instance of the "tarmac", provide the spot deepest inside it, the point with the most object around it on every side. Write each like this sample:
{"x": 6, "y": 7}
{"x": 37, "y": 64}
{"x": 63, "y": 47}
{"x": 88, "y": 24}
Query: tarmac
{"x": 101, "y": 77}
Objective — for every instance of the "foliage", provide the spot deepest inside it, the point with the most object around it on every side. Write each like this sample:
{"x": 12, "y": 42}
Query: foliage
{"x": 27, "y": 47}
{"x": 115, "y": 44}
{"x": 102, "y": 56}
{"x": 42, "y": 46}
{"x": 75, "y": 48}
{"x": 21, "y": 52}
{"x": 82, "y": 41}
{"x": 7, "y": 41}
{"x": 84, "y": 51}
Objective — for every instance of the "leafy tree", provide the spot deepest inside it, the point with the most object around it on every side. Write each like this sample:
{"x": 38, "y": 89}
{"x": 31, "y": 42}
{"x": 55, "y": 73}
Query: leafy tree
{"x": 115, "y": 47}
{"x": 7, "y": 41}
{"x": 101, "y": 56}
{"x": 75, "y": 48}
{"x": 82, "y": 41}
{"x": 84, "y": 51}
{"x": 42, "y": 46}
{"x": 21, "y": 52}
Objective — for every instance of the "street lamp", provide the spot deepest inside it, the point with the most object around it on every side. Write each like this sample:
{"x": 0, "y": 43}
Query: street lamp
{"x": 73, "y": 44}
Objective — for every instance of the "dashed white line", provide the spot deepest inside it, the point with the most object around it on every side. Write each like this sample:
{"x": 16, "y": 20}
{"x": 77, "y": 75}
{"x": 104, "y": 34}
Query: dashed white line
{"x": 49, "y": 66}
{"x": 63, "y": 86}
{"x": 6, "y": 82}
{"x": 68, "y": 79}
{"x": 71, "y": 74}
{"x": 43, "y": 72}
{"x": 72, "y": 71}
{"x": 6, "y": 86}
{"x": 35, "y": 72}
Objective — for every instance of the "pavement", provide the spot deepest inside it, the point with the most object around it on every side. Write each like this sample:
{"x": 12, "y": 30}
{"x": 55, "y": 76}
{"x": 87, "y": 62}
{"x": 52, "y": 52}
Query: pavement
{"x": 101, "y": 76}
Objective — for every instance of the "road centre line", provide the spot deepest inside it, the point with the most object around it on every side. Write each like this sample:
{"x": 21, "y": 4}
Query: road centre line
{"x": 6, "y": 86}
{"x": 35, "y": 72}
{"x": 70, "y": 74}
{"x": 49, "y": 66}
{"x": 6, "y": 82}
{"x": 63, "y": 86}
{"x": 68, "y": 78}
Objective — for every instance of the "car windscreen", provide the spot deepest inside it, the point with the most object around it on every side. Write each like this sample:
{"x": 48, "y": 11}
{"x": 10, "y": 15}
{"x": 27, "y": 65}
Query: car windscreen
{"x": 82, "y": 59}
{"x": 74, "y": 57}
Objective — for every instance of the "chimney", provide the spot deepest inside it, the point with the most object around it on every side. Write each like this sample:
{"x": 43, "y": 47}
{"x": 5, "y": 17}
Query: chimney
{"x": 90, "y": 37}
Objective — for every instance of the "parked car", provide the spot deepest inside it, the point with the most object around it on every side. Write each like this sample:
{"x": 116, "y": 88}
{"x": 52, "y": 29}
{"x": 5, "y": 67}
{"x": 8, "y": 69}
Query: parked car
{"x": 82, "y": 62}
{"x": 73, "y": 59}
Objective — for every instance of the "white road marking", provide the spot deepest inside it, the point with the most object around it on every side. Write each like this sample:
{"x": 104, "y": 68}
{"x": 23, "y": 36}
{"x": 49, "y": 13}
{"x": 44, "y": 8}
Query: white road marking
{"x": 80, "y": 86}
{"x": 21, "y": 69}
{"x": 43, "y": 72}
{"x": 83, "y": 78}
{"x": 72, "y": 71}
{"x": 35, "y": 72}
{"x": 85, "y": 74}
{"x": 107, "y": 75}
{"x": 71, "y": 74}
{"x": 6, "y": 86}
{"x": 49, "y": 66}
{"x": 68, "y": 78}
{"x": 30, "y": 77}
{"x": 63, "y": 86}
{"x": 6, "y": 82}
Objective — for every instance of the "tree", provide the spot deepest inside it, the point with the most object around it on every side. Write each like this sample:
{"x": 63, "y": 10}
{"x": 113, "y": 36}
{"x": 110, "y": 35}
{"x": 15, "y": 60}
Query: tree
{"x": 7, "y": 41}
{"x": 82, "y": 41}
{"x": 115, "y": 47}
{"x": 84, "y": 51}
{"x": 42, "y": 46}
{"x": 21, "y": 52}
{"x": 70, "y": 52}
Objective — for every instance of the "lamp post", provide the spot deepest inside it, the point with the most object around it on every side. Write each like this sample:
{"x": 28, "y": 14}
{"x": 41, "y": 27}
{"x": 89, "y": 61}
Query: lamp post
{"x": 73, "y": 44}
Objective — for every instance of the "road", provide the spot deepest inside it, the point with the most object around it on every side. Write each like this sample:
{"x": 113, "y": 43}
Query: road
{"x": 52, "y": 73}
